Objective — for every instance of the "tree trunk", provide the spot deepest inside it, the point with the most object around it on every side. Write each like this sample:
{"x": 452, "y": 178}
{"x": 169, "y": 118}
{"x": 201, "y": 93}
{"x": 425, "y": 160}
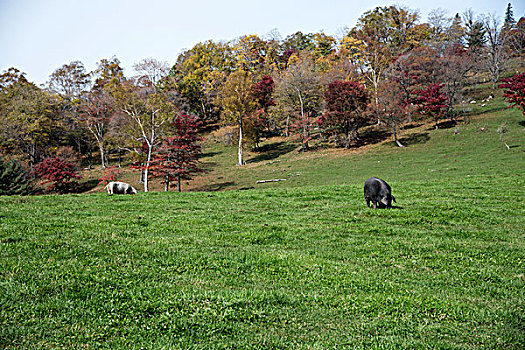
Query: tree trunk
{"x": 241, "y": 160}
{"x": 399, "y": 144}
{"x": 347, "y": 141}
{"x": 146, "y": 169}
{"x": 102, "y": 155}
{"x": 119, "y": 157}
{"x": 178, "y": 183}
{"x": 167, "y": 182}
{"x": 90, "y": 157}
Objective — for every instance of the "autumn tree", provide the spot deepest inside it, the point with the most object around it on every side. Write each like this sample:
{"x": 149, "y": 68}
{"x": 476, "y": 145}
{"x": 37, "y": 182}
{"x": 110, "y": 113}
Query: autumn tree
{"x": 298, "y": 94}
{"x": 235, "y": 97}
{"x": 250, "y": 53}
{"x": 386, "y": 32}
{"x": 432, "y": 101}
{"x": 298, "y": 42}
{"x": 345, "y": 105}
{"x": 199, "y": 72}
{"x": 516, "y": 39}
{"x": 107, "y": 69}
{"x": 70, "y": 80}
{"x": 178, "y": 156}
{"x": 69, "y": 83}
{"x": 445, "y": 31}
{"x": 514, "y": 91}
{"x": 262, "y": 92}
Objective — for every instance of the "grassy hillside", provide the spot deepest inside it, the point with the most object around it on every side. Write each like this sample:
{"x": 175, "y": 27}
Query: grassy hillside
{"x": 300, "y": 263}
{"x": 476, "y": 150}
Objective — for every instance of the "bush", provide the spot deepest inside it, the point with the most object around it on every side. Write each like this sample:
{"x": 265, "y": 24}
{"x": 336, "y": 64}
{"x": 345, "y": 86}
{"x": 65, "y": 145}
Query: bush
{"x": 58, "y": 173}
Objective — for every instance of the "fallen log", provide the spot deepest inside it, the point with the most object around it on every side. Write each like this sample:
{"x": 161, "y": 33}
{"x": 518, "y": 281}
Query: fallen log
{"x": 272, "y": 180}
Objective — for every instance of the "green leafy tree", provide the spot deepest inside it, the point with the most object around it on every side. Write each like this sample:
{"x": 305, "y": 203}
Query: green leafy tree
{"x": 28, "y": 117}
{"x": 68, "y": 84}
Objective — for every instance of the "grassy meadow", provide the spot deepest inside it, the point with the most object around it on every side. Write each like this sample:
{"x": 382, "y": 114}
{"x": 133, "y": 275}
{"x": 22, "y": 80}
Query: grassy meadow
{"x": 300, "y": 263}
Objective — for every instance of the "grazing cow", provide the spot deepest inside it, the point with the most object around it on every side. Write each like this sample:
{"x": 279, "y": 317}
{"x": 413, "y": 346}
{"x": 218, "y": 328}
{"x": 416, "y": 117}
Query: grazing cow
{"x": 117, "y": 187}
{"x": 379, "y": 193}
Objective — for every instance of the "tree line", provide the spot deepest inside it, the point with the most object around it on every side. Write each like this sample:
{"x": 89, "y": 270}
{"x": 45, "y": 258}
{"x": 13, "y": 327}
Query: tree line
{"x": 390, "y": 69}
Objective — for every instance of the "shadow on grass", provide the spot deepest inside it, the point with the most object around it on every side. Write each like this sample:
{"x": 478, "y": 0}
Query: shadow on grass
{"x": 272, "y": 151}
{"x": 209, "y": 154}
{"x": 412, "y": 126}
{"x": 447, "y": 124}
{"x": 371, "y": 136}
{"x": 522, "y": 123}
{"x": 85, "y": 186}
{"x": 412, "y": 139}
{"x": 214, "y": 187}
{"x": 396, "y": 207}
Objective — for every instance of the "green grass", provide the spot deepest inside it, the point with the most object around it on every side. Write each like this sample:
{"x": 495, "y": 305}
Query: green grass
{"x": 300, "y": 263}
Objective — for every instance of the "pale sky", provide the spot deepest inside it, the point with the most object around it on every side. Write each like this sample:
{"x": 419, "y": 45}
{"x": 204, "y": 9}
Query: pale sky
{"x": 39, "y": 36}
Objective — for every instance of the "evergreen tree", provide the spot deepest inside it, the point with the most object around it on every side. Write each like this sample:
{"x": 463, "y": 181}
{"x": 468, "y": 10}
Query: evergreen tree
{"x": 510, "y": 22}
{"x": 14, "y": 179}
{"x": 475, "y": 36}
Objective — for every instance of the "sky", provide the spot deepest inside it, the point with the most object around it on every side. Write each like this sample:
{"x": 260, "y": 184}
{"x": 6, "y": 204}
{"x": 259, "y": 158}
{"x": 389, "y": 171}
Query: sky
{"x": 39, "y": 36}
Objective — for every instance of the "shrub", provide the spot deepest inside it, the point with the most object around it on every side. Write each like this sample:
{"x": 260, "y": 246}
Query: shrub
{"x": 58, "y": 173}
{"x": 515, "y": 91}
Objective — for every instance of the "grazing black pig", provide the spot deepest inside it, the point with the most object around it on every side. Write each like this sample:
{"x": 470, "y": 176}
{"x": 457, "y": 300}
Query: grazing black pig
{"x": 379, "y": 193}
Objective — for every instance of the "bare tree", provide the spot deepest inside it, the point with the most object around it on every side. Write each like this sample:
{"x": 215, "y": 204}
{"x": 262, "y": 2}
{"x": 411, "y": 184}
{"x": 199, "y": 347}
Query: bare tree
{"x": 298, "y": 92}
{"x": 496, "y": 54}
{"x": 151, "y": 71}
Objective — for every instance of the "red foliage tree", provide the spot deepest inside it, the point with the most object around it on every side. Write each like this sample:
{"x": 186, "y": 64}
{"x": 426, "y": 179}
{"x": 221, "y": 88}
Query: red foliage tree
{"x": 57, "y": 172}
{"x": 432, "y": 101}
{"x": 262, "y": 92}
{"x": 515, "y": 91}
{"x": 177, "y": 157}
{"x": 345, "y": 104}
{"x": 111, "y": 173}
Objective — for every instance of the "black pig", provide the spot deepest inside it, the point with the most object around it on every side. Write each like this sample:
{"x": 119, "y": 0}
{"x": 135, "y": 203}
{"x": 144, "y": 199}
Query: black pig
{"x": 379, "y": 193}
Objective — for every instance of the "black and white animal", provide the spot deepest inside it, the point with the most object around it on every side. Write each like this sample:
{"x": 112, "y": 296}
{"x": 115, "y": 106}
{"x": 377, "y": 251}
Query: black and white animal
{"x": 379, "y": 193}
{"x": 117, "y": 187}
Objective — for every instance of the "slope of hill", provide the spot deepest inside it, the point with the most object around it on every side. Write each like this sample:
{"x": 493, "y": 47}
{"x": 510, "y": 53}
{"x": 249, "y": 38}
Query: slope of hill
{"x": 472, "y": 147}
